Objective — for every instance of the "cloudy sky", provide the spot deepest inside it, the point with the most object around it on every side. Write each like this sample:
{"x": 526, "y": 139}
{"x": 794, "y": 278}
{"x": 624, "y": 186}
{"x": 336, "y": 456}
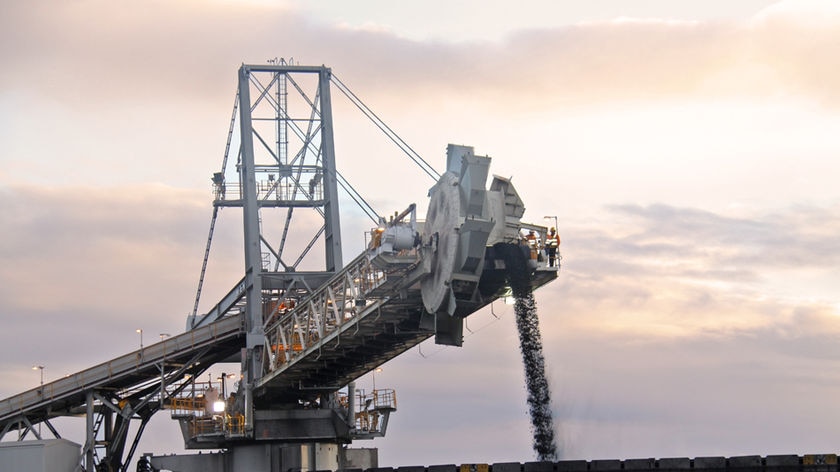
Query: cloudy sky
{"x": 688, "y": 149}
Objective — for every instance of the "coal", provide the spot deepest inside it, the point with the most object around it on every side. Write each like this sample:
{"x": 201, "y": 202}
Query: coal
{"x": 530, "y": 346}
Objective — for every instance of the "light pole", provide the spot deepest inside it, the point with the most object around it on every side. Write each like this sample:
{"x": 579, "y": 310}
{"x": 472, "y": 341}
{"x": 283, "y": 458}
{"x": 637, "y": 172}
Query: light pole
{"x": 140, "y": 332}
{"x": 224, "y": 378}
{"x": 162, "y": 372}
{"x": 41, "y": 368}
{"x": 220, "y": 406}
{"x": 555, "y": 221}
{"x": 378, "y": 369}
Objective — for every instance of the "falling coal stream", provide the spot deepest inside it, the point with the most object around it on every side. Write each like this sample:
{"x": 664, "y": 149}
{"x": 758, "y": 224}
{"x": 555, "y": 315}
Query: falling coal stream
{"x": 530, "y": 345}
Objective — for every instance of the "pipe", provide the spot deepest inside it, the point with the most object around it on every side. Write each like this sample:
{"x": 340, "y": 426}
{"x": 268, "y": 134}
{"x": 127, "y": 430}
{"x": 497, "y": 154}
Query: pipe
{"x": 351, "y": 405}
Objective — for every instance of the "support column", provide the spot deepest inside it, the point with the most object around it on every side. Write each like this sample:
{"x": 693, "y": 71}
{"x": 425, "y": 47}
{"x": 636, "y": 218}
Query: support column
{"x": 332, "y": 226}
{"x": 255, "y": 337}
{"x": 90, "y": 441}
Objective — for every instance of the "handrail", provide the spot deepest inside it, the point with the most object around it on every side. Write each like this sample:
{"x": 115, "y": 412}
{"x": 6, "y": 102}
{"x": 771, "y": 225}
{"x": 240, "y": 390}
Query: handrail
{"x": 121, "y": 372}
{"x": 342, "y": 300}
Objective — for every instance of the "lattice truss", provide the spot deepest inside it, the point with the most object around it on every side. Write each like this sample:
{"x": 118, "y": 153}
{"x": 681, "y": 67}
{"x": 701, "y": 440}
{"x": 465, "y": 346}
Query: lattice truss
{"x": 287, "y": 134}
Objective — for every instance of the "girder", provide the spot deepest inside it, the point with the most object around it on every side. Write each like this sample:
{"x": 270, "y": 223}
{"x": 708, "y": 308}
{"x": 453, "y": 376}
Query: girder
{"x": 344, "y": 330}
{"x": 130, "y": 387}
{"x": 123, "y": 373}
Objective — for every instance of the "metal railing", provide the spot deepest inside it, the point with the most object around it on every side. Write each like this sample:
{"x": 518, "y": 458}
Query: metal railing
{"x": 338, "y": 302}
{"x": 118, "y": 374}
{"x": 223, "y": 424}
{"x": 371, "y": 409}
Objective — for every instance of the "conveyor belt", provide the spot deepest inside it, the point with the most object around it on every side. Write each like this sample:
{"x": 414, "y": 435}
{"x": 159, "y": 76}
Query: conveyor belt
{"x": 385, "y": 329}
{"x": 206, "y": 345}
{"x": 344, "y": 345}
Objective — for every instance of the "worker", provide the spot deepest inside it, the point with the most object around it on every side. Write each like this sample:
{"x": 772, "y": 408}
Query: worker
{"x": 313, "y": 184}
{"x": 231, "y": 402}
{"x": 376, "y": 237}
{"x": 552, "y": 243}
{"x": 533, "y": 243}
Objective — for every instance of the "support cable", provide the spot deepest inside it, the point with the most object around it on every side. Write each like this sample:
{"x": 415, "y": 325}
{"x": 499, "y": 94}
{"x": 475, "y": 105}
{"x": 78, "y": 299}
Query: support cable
{"x": 411, "y": 153}
{"x": 308, "y": 144}
{"x": 215, "y": 209}
{"x": 354, "y": 195}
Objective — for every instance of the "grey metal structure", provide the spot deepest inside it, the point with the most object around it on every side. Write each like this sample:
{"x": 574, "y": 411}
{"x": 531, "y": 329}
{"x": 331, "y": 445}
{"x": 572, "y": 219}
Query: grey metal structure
{"x": 271, "y": 178}
{"x": 129, "y": 388}
{"x": 302, "y": 327}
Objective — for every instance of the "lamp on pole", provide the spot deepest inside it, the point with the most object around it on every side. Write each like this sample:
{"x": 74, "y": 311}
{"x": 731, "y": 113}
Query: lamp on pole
{"x": 41, "y": 368}
{"x": 41, "y": 391}
{"x": 140, "y": 332}
{"x": 553, "y": 217}
{"x": 221, "y": 403}
{"x": 378, "y": 369}
{"x": 224, "y": 378}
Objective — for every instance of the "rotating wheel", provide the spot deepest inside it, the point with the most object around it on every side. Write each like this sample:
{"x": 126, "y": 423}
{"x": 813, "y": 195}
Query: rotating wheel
{"x": 443, "y": 219}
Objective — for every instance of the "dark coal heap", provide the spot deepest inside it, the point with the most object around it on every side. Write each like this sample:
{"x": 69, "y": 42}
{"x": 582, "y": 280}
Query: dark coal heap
{"x": 530, "y": 345}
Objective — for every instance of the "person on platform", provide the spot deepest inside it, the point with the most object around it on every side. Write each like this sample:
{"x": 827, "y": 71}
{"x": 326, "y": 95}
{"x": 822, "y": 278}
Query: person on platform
{"x": 533, "y": 243}
{"x": 552, "y": 243}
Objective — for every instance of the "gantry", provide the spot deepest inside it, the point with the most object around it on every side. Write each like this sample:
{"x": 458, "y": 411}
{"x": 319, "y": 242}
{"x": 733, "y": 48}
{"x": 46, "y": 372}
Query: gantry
{"x": 301, "y": 326}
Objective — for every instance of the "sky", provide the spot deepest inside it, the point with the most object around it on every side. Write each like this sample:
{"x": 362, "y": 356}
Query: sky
{"x": 688, "y": 149}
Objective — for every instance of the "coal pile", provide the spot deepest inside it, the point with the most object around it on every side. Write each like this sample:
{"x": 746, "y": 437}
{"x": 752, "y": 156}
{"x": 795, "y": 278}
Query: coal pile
{"x": 530, "y": 346}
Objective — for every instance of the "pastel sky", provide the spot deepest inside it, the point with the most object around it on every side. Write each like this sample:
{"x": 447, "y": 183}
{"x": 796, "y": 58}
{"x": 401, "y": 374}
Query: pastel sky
{"x": 689, "y": 150}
